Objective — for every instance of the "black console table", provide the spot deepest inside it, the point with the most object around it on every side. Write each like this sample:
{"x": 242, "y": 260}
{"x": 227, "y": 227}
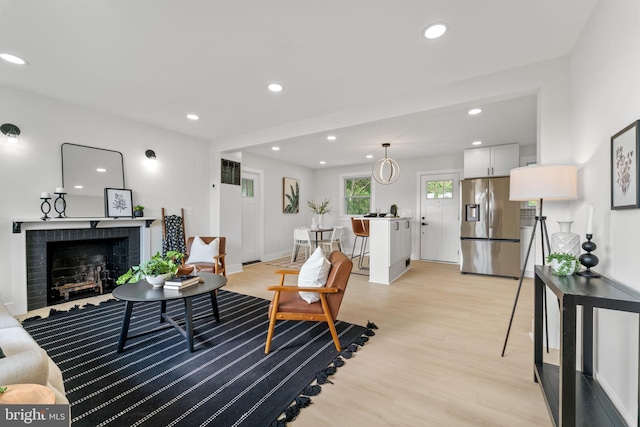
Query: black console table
{"x": 573, "y": 397}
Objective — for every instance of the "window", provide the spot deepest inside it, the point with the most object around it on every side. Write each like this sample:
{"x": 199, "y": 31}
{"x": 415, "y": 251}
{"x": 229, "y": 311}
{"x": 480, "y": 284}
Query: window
{"x": 440, "y": 189}
{"x": 247, "y": 187}
{"x": 357, "y": 195}
{"x": 230, "y": 172}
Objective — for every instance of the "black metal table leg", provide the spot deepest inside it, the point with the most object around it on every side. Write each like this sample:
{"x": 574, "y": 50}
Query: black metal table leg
{"x": 188, "y": 323}
{"x": 163, "y": 310}
{"x": 214, "y": 306}
{"x": 125, "y": 325}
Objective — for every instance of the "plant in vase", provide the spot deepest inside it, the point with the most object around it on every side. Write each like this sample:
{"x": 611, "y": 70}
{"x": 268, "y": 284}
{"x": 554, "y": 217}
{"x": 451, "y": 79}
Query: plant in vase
{"x": 320, "y": 209}
{"x": 563, "y": 264}
{"x": 155, "y": 271}
{"x": 138, "y": 210}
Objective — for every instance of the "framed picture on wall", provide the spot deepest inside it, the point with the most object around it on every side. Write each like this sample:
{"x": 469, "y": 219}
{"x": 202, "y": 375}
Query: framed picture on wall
{"x": 624, "y": 168}
{"x": 290, "y": 195}
{"x": 117, "y": 203}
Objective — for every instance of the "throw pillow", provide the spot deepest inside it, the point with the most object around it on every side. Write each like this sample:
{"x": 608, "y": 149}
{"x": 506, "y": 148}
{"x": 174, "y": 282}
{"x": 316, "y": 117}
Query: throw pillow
{"x": 313, "y": 274}
{"x": 203, "y": 252}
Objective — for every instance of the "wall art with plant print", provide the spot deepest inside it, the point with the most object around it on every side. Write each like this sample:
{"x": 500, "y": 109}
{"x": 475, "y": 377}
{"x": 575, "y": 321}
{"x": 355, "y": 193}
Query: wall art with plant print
{"x": 290, "y": 195}
{"x": 624, "y": 168}
{"x": 117, "y": 203}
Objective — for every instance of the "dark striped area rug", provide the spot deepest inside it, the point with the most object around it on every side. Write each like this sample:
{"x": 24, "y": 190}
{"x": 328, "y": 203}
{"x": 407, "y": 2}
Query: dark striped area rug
{"x": 227, "y": 381}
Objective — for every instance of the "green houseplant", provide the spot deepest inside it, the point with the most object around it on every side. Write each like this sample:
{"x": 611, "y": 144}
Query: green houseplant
{"x": 563, "y": 264}
{"x": 138, "y": 210}
{"x": 319, "y": 209}
{"x": 158, "y": 266}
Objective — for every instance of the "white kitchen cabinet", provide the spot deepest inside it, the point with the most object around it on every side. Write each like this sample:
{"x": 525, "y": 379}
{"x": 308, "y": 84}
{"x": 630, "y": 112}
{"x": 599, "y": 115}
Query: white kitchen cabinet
{"x": 497, "y": 160}
{"x": 389, "y": 249}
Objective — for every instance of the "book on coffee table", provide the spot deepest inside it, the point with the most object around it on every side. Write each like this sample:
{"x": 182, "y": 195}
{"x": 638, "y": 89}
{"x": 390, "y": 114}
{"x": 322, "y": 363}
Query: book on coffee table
{"x": 181, "y": 282}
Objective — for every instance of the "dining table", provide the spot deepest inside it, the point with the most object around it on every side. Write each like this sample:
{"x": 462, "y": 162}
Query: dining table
{"x": 318, "y": 232}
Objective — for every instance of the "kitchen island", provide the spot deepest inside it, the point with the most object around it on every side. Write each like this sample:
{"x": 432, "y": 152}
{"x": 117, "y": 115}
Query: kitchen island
{"x": 389, "y": 248}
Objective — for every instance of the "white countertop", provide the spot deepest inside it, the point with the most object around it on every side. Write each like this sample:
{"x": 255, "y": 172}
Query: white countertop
{"x": 386, "y": 217}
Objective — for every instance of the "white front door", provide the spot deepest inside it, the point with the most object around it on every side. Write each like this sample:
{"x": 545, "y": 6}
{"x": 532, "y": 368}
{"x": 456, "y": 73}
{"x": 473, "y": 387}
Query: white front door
{"x": 251, "y": 216}
{"x": 439, "y": 217}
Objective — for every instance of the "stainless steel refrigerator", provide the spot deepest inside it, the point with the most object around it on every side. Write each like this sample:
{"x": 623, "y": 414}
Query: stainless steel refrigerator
{"x": 490, "y": 230}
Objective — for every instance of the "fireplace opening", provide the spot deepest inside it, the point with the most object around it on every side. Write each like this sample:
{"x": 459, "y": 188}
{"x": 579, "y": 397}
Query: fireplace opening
{"x": 82, "y": 268}
{"x": 118, "y": 246}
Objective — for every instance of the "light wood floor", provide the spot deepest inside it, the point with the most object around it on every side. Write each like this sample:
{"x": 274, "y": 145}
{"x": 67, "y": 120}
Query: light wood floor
{"x": 435, "y": 361}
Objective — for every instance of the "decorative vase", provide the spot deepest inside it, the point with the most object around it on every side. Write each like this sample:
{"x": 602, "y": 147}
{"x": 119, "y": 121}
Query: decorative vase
{"x": 320, "y": 221}
{"x": 314, "y": 222}
{"x": 138, "y": 213}
{"x": 565, "y": 241}
{"x": 158, "y": 281}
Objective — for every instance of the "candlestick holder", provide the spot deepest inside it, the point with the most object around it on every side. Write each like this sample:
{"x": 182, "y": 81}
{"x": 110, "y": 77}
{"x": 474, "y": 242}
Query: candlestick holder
{"x": 45, "y": 207}
{"x": 589, "y": 260}
{"x": 60, "y": 205}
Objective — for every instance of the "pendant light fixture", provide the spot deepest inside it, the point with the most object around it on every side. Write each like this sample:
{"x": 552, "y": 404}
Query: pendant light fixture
{"x": 386, "y": 170}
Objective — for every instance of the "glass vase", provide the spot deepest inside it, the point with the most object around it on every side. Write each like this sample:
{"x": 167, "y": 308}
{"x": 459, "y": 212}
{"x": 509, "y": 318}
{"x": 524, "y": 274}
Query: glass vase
{"x": 564, "y": 241}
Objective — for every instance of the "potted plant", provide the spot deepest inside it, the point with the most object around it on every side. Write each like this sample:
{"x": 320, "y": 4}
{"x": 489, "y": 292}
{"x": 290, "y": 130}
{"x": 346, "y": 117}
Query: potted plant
{"x": 320, "y": 209}
{"x": 155, "y": 271}
{"x": 563, "y": 264}
{"x": 138, "y": 210}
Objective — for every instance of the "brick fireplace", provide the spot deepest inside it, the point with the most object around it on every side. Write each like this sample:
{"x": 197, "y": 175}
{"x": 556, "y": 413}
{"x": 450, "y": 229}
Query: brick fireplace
{"x": 67, "y": 256}
{"x": 39, "y": 248}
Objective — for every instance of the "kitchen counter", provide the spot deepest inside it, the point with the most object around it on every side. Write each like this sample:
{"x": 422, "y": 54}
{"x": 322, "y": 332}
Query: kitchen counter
{"x": 389, "y": 248}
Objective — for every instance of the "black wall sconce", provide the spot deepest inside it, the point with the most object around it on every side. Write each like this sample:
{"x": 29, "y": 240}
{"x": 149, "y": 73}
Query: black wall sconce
{"x": 150, "y": 154}
{"x": 12, "y": 132}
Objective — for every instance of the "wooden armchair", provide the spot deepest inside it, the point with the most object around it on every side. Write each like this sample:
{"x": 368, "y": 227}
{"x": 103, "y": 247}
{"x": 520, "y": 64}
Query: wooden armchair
{"x": 288, "y": 305}
{"x": 217, "y": 264}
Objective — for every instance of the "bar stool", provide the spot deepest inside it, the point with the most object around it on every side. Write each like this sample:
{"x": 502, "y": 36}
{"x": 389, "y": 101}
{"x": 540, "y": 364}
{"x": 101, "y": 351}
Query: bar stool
{"x": 360, "y": 229}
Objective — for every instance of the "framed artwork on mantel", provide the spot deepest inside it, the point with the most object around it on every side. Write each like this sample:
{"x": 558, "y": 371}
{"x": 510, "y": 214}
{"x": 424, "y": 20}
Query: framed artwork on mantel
{"x": 117, "y": 203}
{"x": 624, "y": 168}
{"x": 290, "y": 195}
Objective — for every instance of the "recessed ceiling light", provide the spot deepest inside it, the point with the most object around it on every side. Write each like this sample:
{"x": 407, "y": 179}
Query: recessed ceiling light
{"x": 434, "y": 31}
{"x": 331, "y": 137}
{"x": 322, "y": 162}
{"x": 101, "y": 170}
{"x": 192, "y": 117}
{"x": 476, "y": 143}
{"x": 275, "y": 87}
{"x": 275, "y": 148}
{"x": 13, "y": 59}
{"x": 474, "y": 111}
{"x": 369, "y": 156}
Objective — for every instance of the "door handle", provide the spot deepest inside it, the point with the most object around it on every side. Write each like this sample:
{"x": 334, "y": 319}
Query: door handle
{"x": 425, "y": 223}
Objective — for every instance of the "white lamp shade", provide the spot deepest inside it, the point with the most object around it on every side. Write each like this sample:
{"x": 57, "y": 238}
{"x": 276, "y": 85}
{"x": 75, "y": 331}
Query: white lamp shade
{"x": 555, "y": 182}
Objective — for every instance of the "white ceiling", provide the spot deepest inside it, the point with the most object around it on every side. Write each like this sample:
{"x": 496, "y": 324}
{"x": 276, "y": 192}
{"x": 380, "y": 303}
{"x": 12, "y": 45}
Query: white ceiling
{"x": 154, "y": 61}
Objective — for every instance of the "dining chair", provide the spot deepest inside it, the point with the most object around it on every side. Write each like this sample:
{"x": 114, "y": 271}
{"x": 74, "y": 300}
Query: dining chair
{"x": 301, "y": 238}
{"x": 336, "y": 238}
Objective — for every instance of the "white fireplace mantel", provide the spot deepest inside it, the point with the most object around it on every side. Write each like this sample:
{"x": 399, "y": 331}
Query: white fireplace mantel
{"x": 53, "y": 223}
{"x": 15, "y": 298}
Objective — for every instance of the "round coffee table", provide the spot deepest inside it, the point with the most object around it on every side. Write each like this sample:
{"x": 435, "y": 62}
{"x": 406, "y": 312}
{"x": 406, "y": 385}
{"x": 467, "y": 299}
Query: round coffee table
{"x": 143, "y": 292}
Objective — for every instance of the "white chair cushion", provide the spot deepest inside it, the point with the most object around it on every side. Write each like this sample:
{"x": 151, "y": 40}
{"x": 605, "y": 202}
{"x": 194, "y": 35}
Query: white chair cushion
{"x": 203, "y": 252}
{"x": 313, "y": 274}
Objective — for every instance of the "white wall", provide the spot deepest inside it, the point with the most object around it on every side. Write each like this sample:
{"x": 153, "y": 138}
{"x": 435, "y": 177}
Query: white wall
{"x": 180, "y": 177}
{"x": 278, "y": 229}
{"x": 605, "y": 97}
